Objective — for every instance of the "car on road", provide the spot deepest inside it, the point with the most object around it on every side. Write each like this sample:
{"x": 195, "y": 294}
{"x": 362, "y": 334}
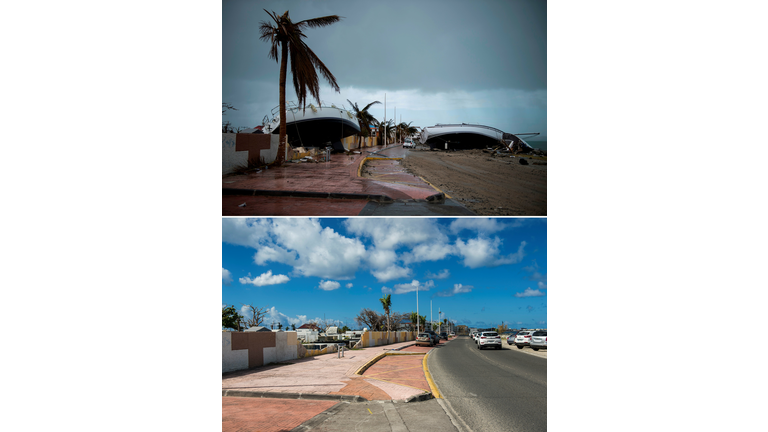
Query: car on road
{"x": 539, "y": 340}
{"x": 408, "y": 143}
{"x": 474, "y": 336}
{"x": 489, "y": 340}
{"x": 523, "y": 339}
{"x": 434, "y": 335}
{"x": 511, "y": 338}
{"x": 444, "y": 335}
{"x": 425, "y": 339}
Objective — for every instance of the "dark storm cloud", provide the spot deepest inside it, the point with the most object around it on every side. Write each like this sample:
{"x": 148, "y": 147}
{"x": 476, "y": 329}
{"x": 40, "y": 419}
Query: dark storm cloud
{"x": 431, "y": 45}
{"x": 432, "y": 48}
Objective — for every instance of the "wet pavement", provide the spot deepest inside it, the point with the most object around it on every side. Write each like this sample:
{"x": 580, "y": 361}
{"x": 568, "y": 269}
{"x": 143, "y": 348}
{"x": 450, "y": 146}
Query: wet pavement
{"x": 368, "y": 183}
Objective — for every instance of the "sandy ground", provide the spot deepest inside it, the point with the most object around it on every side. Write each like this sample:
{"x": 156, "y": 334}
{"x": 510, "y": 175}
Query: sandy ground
{"x": 488, "y": 186}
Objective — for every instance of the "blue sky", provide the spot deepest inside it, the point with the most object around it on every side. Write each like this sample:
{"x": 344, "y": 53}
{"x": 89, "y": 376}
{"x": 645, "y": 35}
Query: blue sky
{"x": 437, "y": 61}
{"x": 478, "y": 271}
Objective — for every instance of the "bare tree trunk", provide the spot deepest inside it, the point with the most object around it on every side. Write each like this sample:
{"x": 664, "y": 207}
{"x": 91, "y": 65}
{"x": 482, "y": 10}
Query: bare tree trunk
{"x": 283, "y": 128}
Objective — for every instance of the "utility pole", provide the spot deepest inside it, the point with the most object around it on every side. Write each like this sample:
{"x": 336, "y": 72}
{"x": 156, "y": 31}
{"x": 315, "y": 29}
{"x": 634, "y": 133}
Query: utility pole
{"x": 418, "y": 318}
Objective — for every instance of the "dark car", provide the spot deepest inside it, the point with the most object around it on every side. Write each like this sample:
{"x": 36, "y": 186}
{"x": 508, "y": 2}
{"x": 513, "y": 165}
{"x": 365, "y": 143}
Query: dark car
{"x": 444, "y": 335}
{"x": 434, "y": 335}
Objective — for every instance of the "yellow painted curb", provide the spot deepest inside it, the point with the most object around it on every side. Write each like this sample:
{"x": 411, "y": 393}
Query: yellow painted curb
{"x": 435, "y": 188}
{"x": 360, "y": 168}
{"x": 369, "y": 363}
{"x": 428, "y": 376}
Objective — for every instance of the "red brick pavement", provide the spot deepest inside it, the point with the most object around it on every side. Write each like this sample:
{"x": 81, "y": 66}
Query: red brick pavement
{"x": 358, "y": 386}
{"x": 400, "y": 369}
{"x": 289, "y": 206}
{"x": 245, "y": 414}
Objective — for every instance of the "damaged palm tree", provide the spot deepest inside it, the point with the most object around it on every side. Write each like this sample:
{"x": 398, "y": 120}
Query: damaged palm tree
{"x": 365, "y": 119}
{"x": 304, "y": 63}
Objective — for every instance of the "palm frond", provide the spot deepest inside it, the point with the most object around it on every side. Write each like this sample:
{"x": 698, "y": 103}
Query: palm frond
{"x": 369, "y": 105}
{"x": 319, "y": 22}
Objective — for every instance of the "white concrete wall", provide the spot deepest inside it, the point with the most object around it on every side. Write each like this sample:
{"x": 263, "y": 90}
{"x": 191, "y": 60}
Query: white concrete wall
{"x": 231, "y": 158}
{"x": 232, "y": 360}
{"x": 271, "y": 154}
{"x": 285, "y": 349}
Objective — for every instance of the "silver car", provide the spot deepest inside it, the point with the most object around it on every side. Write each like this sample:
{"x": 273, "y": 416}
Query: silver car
{"x": 523, "y": 339}
{"x": 489, "y": 340}
{"x": 539, "y": 340}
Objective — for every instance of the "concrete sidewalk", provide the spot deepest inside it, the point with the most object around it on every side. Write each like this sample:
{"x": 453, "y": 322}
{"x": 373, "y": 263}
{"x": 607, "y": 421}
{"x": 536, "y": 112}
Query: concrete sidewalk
{"x": 323, "y": 377}
{"x": 337, "y": 188}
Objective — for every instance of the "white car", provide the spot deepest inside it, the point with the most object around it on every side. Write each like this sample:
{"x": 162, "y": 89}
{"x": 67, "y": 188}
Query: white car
{"x": 523, "y": 339}
{"x": 489, "y": 340}
{"x": 408, "y": 143}
{"x": 539, "y": 340}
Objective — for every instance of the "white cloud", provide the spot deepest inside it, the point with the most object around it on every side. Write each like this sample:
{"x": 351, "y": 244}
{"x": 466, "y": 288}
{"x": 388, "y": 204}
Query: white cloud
{"x": 244, "y": 232}
{"x": 328, "y": 285}
{"x": 409, "y": 287}
{"x": 265, "y": 279}
{"x": 434, "y": 251}
{"x": 390, "y": 234}
{"x": 349, "y": 285}
{"x": 529, "y": 293}
{"x": 484, "y": 252}
{"x": 390, "y": 273}
{"x": 226, "y": 276}
{"x": 444, "y": 274}
{"x": 299, "y": 242}
{"x": 457, "y": 289}
{"x": 484, "y": 226}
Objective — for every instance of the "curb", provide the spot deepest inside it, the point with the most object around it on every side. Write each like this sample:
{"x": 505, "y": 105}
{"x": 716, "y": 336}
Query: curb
{"x": 277, "y": 395}
{"x": 369, "y": 363}
{"x": 428, "y": 376}
{"x": 420, "y": 398}
{"x": 302, "y": 194}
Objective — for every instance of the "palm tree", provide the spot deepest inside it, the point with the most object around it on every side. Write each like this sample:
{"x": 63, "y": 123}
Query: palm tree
{"x": 304, "y": 63}
{"x": 414, "y": 320}
{"x": 405, "y": 129}
{"x": 384, "y": 128}
{"x": 365, "y": 119}
{"x": 386, "y": 303}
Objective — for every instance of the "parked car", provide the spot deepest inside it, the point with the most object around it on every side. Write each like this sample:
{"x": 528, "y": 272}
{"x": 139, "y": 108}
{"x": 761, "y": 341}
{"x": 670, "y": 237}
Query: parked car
{"x": 511, "y": 338}
{"x": 539, "y": 340}
{"x": 425, "y": 339}
{"x": 408, "y": 143}
{"x": 444, "y": 335}
{"x": 489, "y": 340}
{"x": 434, "y": 335}
{"x": 452, "y": 334}
{"x": 523, "y": 339}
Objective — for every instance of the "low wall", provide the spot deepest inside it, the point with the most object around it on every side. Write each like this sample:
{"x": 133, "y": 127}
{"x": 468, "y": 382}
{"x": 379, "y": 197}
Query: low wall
{"x": 351, "y": 142}
{"x": 371, "y": 339}
{"x": 239, "y": 149}
{"x": 245, "y": 350}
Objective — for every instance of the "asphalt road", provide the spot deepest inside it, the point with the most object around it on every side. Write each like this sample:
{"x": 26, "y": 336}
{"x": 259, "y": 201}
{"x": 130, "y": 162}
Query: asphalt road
{"x": 491, "y": 390}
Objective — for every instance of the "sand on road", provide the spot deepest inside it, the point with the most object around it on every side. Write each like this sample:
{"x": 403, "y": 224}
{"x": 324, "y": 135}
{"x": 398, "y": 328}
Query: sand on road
{"x": 486, "y": 185}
